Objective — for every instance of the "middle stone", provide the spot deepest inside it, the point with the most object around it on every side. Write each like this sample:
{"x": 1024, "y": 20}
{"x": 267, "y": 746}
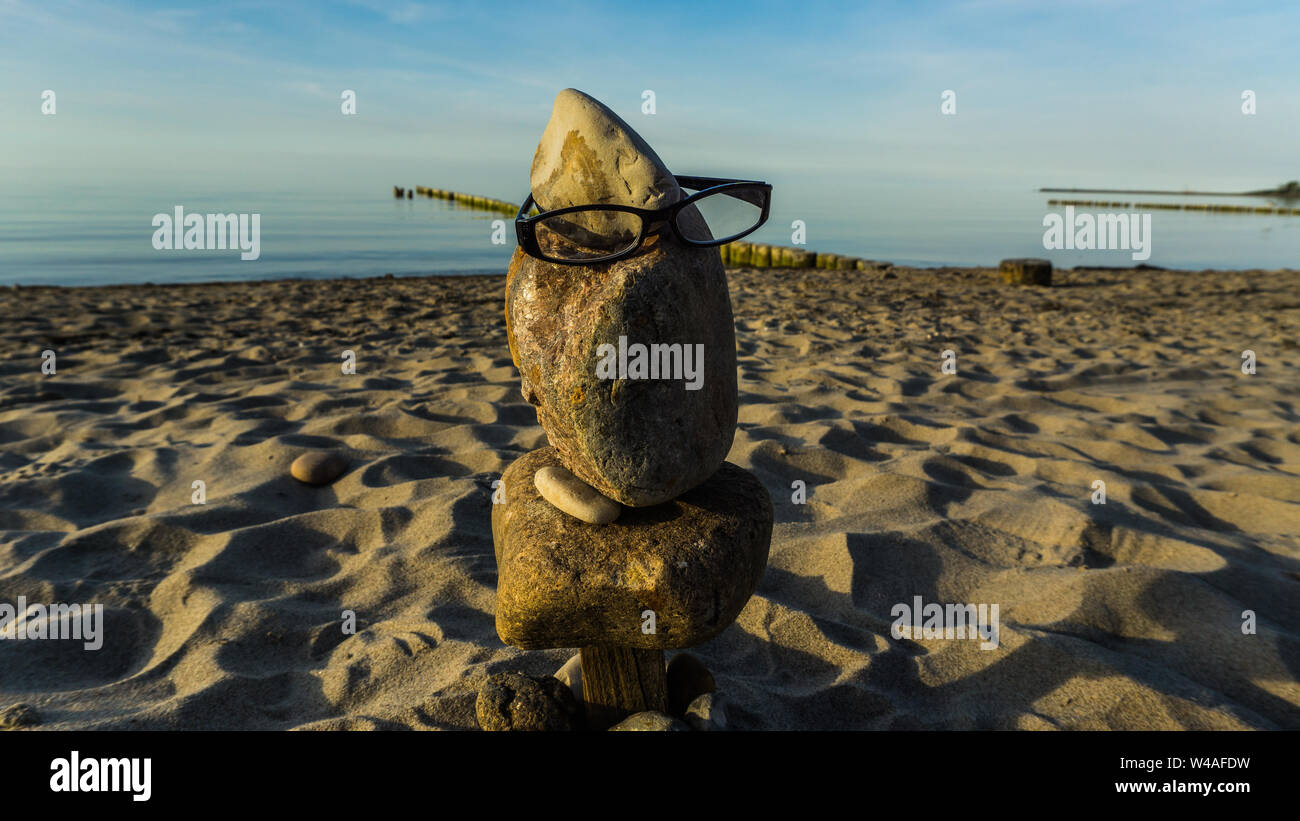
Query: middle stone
{"x": 631, "y": 364}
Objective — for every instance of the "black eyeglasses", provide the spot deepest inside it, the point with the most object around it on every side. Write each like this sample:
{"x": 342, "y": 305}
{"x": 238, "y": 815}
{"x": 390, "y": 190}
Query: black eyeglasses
{"x": 722, "y": 211}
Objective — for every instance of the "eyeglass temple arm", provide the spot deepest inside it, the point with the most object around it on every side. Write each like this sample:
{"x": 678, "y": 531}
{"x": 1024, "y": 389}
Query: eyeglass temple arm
{"x": 529, "y": 202}
{"x": 684, "y": 180}
{"x": 700, "y": 183}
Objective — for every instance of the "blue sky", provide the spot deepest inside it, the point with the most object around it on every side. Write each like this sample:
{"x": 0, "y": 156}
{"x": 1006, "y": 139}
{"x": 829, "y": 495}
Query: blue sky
{"x": 1141, "y": 94}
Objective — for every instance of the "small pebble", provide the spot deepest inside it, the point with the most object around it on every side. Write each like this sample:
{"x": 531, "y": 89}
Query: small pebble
{"x": 571, "y": 675}
{"x": 650, "y": 721}
{"x": 707, "y": 712}
{"x": 17, "y": 716}
{"x": 575, "y": 497}
{"x": 318, "y": 467}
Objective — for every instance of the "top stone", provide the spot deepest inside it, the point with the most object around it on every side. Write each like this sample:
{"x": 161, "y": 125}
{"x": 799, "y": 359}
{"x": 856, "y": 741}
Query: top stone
{"x": 588, "y": 155}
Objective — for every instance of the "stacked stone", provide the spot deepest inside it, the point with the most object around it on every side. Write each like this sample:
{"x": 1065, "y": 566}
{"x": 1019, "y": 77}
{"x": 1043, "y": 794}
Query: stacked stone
{"x": 630, "y": 534}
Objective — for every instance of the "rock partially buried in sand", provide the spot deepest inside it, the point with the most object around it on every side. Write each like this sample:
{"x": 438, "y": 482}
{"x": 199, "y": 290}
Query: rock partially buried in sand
{"x": 19, "y": 716}
{"x": 688, "y": 679}
{"x": 631, "y": 364}
{"x": 318, "y": 467}
{"x": 707, "y": 712}
{"x": 1026, "y": 271}
{"x": 650, "y": 721}
{"x": 574, "y": 496}
{"x": 692, "y": 562}
{"x": 513, "y": 701}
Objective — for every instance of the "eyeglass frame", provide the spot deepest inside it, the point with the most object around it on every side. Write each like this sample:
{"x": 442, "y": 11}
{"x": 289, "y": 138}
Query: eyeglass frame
{"x": 526, "y": 227}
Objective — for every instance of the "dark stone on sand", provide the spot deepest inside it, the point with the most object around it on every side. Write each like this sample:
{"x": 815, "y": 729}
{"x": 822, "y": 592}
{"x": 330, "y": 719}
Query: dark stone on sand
{"x": 693, "y": 562}
{"x": 1026, "y": 271}
{"x": 688, "y": 678}
{"x": 514, "y": 701}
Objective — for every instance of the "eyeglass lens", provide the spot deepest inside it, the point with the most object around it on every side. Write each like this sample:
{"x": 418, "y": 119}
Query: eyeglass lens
{"x": 726, "y": 214}
{"x": 584, "y": 235}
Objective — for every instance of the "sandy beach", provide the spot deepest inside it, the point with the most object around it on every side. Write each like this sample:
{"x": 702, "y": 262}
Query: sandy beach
{"x": 974, "y": 487}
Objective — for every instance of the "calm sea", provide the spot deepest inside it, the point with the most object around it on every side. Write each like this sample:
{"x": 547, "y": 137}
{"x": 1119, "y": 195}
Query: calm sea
{"x": 85, "y": 235}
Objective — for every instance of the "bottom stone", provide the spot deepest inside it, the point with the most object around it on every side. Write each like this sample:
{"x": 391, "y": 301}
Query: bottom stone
{"x": 672, "y": 575}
